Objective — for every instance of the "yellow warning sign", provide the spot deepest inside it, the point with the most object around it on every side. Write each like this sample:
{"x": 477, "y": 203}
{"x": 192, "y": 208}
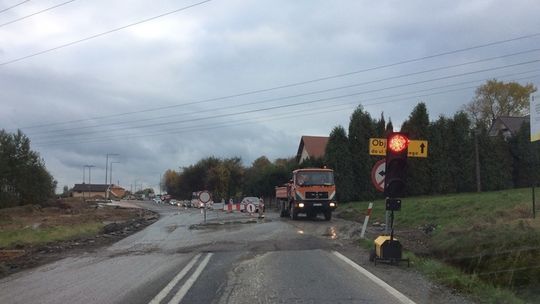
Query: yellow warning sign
{"x": 417, "y": 148}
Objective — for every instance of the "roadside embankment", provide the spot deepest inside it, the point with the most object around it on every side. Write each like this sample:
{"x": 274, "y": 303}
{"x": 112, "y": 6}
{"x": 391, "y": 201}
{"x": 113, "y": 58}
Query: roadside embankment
{"x": 31, "y": 235}
{"x": 490, "y": 238}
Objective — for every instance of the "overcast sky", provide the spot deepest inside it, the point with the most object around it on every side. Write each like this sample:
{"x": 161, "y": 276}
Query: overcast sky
{"x": 234, "y": 78}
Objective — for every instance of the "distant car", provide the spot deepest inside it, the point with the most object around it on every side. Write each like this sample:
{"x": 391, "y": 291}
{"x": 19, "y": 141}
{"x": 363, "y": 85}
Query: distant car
{"x": 249, "y": 200}
{"x": 157, "y": 200}
{"x": 173, "y": 202}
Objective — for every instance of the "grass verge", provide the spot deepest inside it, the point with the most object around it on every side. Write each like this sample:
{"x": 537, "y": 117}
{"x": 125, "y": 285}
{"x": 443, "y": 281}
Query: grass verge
{"x": 35, "y": 236}
{"x": 485, "y": 244}
{"x": 452, "y": 277}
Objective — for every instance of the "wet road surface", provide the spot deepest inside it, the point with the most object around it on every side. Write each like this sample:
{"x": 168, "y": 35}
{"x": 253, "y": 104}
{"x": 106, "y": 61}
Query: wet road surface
{"x": 234, "y": 258}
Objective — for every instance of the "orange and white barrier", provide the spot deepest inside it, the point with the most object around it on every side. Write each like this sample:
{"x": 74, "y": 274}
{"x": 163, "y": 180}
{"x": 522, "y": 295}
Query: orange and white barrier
{"x": 233, "y": 207}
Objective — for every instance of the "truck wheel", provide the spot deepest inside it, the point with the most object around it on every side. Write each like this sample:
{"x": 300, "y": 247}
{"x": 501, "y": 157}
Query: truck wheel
{"x": 282, "y": 213}
{"x": 327, "y": 215}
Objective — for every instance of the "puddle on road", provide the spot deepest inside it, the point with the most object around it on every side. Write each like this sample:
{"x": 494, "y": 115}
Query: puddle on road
{"x": 171, "y": 228}
{"x": 225, "y": 225}
{"x": 331, "y": 232}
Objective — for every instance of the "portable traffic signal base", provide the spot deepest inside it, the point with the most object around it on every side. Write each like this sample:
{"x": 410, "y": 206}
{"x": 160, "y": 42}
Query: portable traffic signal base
{"x": 387, "y": 250}
{"x": 396, "y": 164}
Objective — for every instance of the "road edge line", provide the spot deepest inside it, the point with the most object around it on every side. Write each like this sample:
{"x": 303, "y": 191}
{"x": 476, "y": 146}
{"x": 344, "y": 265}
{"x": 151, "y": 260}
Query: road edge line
{"x": 391, "y": 290}
{"x": 191, "y": 280}
{"x": 165, "y": 291}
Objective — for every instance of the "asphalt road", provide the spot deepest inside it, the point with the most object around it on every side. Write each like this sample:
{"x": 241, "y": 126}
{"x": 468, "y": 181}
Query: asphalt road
{"x": 234, "y": 258}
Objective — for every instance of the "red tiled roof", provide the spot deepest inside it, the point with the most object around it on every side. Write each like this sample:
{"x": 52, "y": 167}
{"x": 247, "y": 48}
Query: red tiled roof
{"x": 314, "y": 145}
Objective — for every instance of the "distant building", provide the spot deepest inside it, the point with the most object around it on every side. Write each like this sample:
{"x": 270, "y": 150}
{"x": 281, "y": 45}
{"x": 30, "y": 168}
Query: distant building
{"x": 311, "y": 147}
{"x": 507, "y": 126}
{"x": 97, "y": 191}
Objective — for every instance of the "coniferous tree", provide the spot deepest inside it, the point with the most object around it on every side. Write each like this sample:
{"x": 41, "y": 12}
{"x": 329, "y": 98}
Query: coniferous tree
{"x": 361, "y": 129}
{"x": 495, "y": 162}
{"x": 418, "y": 173}
{"x": 526, "y": 157}
{"x": 462, "y": 153}
{"x": 439, "y": 162}
{"x": 338, "y": 157}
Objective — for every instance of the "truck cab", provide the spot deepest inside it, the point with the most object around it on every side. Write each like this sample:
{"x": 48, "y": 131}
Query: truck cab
{"x": 311, "y": 192}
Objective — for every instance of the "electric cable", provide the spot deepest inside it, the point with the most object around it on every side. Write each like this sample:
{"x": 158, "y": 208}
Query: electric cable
{"x": 251, "y": 92}
{"x": 315, "y": 100}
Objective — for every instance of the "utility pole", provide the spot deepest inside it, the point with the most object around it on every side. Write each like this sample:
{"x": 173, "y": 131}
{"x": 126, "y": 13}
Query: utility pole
{"x": 83, "y": 178}
{"x": 107, "y": 165}
{"x": 89, "y": 178}
{"x": 477, "y": 159}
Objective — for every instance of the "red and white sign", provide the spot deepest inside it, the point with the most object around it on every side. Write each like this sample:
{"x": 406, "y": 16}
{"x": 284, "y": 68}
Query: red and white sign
{"x": 205, "y": 197}
{"x": 377, "y": 175}
{"x": 250, "y": 208}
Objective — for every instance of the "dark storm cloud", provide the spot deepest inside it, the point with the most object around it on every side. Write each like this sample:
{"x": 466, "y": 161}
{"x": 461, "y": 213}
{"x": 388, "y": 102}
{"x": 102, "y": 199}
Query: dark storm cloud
{"x": 224, "y": 48}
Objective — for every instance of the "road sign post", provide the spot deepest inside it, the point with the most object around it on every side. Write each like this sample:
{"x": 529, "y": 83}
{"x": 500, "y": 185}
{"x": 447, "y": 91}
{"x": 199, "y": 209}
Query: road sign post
{"x": 204, "y": 197}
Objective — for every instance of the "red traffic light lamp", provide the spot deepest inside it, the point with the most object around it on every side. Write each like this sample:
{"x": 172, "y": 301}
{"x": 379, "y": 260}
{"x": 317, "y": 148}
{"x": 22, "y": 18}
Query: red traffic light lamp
{"x": 397, "y": 142}
{"x": 396, "y": 164}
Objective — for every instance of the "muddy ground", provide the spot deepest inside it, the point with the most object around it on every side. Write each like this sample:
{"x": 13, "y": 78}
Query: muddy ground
{"x": 117, "y": 224}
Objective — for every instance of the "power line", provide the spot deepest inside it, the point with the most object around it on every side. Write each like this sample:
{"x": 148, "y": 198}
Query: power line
{"x": 36, "y": 13}
{"x": 296, "y": 95}
{"x": 244, "y": 121}
{"x": 13, "y": 6}
{"x": 182, "y": 130}
{"x": 249, "y": 120}
{"x": 100, "y": 34}
{"x": 251, "y": 92}
{"x": 313, "y": 101}
{"x": 206, "y": 126}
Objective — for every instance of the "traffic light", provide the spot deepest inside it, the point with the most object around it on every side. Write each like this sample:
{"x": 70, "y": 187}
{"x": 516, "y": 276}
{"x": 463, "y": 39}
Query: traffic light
{"x": 396, "y": 164}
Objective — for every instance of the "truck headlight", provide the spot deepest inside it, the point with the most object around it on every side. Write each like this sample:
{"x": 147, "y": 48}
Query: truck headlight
{"x": 301, "y": 205}
{"x": 332, "y": 204}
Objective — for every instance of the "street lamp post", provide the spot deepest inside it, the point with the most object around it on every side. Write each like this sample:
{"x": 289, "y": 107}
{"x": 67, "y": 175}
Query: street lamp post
{"x": 107, "y": 165}
{"x": 110, "y": 176}
{"x": 83, "y": 178}
{"x": 89, "y": 178}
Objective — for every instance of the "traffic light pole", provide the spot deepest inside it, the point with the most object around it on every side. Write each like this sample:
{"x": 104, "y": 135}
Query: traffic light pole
{"x": 392, "y": 225}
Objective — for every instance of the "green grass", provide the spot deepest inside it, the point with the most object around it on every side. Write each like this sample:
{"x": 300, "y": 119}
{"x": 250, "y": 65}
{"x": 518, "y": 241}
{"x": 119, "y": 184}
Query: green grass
{"x": 471, "y": 223}
{"x": 30, "y": 236}
{"x": 479, "y": 290}
{"x": 454, "y": 209}
{"x": 485, "y": 239}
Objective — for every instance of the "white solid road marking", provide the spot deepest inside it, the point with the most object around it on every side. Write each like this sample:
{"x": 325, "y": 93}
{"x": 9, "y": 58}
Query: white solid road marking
{"x": 163, "y": 293}
{"x": 391, "y": 290}
{"x": 182, "y": 292}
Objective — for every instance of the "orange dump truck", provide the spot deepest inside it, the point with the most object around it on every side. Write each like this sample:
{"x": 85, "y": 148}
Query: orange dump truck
{"x": 311, "y": 192}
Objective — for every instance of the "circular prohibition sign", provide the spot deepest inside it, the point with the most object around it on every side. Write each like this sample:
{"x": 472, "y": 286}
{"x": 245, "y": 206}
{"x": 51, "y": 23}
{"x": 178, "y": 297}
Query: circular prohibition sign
{"x": 377, "y": 174}
{"x": 250, "y": 208}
